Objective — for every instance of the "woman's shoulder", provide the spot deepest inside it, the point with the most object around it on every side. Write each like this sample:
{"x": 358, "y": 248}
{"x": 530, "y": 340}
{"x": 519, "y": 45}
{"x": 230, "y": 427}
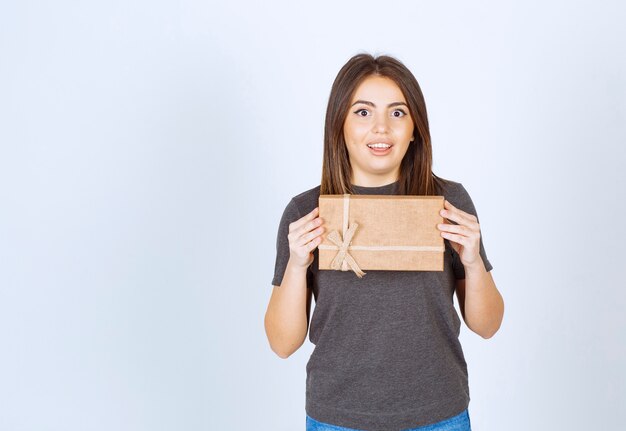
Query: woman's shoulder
{"x": 303, "y": 203}
{"x": 456, "y": 193}
{"x": 308, "y": 194}
{"x": 449, "y": 186}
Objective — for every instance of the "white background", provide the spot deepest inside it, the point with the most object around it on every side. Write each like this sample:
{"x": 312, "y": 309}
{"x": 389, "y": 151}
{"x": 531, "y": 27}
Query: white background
{"x": 148, "y": 149}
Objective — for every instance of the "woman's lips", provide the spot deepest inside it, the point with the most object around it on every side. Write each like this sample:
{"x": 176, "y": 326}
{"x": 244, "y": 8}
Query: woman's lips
{"x": 380, "y": 151}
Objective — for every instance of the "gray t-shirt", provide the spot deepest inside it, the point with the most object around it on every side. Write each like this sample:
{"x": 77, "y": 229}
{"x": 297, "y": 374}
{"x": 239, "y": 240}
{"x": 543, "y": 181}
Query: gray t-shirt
{"x": 387, "y": 355}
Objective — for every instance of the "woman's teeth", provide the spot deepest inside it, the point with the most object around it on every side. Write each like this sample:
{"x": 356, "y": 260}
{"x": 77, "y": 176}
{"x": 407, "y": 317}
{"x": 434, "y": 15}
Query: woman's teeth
{"x": 379, "y": 145}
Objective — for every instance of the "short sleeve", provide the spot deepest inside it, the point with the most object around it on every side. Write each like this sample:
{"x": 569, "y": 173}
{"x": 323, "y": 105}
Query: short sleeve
{"x": 290, "y": 214}
{"x": 464, "y": 202}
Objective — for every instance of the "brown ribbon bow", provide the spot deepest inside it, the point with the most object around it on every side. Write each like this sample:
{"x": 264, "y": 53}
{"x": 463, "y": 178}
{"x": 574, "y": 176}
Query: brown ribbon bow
{"x": 343, "y": 259}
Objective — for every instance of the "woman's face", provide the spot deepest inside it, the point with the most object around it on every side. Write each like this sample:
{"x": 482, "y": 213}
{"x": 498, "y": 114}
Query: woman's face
{"x": 378, "y": 114}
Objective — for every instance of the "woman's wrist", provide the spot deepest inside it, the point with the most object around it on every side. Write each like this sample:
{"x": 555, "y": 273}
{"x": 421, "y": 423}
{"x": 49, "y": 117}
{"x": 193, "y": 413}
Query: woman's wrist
{"x": 295, "y": 268}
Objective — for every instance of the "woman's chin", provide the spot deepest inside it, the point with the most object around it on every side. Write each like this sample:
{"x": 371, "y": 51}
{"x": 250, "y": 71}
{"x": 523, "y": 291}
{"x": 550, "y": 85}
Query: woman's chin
{"x": 383, "y": 166}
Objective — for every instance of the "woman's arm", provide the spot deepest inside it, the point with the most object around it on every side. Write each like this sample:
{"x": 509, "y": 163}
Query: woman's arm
{"x": 482, "y": 306}
{"x": 287, "y": 315}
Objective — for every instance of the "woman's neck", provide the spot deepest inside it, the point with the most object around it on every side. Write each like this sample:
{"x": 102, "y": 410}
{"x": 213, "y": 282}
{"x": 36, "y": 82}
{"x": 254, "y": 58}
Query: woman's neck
{"x": 373, "y": 181}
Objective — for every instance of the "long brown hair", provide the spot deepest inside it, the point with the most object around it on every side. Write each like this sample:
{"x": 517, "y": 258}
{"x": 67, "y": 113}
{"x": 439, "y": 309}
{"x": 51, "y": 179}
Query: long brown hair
{"x": 416, "y": 176}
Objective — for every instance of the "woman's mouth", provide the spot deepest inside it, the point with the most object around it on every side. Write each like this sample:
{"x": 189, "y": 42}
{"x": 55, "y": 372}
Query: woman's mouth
{"x": 380, "y": 149}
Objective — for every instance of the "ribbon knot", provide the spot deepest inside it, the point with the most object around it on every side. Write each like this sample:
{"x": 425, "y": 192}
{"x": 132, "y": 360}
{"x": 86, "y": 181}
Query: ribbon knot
{"x": 343, "y": 259}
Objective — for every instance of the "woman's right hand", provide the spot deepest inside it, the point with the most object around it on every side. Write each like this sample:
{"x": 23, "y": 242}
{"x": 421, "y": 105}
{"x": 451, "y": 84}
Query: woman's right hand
{"x": 304, "y": 235}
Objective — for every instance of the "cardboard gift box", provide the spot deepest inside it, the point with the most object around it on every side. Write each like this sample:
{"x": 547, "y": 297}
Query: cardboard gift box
{"x": 381, "y": 232}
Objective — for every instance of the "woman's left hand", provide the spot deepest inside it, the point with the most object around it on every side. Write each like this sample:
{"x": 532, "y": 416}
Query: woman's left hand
{"x": 464, "y": 236}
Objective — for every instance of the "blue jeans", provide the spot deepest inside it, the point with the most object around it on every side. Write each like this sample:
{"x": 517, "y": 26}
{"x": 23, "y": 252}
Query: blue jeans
{"x": 460, "y": 422}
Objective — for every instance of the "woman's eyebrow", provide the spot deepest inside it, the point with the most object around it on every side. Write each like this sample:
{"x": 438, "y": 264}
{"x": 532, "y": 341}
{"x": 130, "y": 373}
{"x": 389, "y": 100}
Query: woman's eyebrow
{"x": 366, "y": 102}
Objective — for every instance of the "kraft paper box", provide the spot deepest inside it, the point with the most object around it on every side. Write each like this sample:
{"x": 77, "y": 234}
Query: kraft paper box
{"x": 381, "y": 232}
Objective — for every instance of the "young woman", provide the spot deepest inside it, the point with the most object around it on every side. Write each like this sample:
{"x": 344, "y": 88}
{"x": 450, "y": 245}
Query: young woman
{"x": 387, "y": 355}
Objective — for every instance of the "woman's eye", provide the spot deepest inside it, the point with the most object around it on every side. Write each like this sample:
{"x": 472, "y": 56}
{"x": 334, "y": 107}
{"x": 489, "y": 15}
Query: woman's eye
{"x": 398, "y": 111}
{"x": 360, "y": 111}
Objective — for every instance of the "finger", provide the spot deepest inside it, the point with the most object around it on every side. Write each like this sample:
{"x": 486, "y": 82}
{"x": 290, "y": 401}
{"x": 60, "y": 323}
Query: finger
{"x": 309, "y": 236}
{"x": 310, "y": 245}
{"x": 314, "y": 243}
{"x": 298, "y": 223}
{"x": 308, "y": 227}
{"x": 463, "y": 240}
{"x": 471, "y": 233}
{"x": 469, "y": 216}
{"x": 451, "y": 212}
{"x": 455, "y": 228}
{"x": 448, "y": 204}
{"x": 457, "y": 215}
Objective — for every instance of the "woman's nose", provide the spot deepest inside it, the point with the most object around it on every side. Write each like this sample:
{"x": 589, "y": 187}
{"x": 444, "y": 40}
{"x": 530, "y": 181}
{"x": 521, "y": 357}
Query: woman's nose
{"x": 380, "y": 125}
